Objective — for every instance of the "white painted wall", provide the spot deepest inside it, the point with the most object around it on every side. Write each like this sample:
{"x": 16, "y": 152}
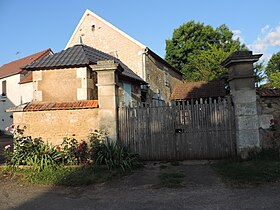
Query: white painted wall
{"x": 26, "y": 91}
{"x": 16, "y": 95}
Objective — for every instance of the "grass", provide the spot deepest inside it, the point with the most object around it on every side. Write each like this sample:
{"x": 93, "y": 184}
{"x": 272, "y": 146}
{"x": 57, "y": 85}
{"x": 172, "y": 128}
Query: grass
{"x": 261, "y": 169}
{"x": 172, "y": 180}
{"x": 65, "y": 176}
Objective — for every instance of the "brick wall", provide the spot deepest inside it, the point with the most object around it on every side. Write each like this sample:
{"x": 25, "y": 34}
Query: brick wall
{"x": 52, "y": 126}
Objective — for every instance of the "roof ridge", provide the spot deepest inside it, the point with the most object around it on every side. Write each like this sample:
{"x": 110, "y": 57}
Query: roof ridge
{"x": 86, "y": 54}
{"x": 89, "y": 12}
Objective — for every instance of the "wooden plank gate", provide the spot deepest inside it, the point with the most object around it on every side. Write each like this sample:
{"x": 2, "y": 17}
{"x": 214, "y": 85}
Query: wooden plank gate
{"x": 203, "y": 129}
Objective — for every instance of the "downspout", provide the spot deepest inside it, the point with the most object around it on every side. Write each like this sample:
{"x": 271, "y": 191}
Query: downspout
{"x": 144, "y": 73}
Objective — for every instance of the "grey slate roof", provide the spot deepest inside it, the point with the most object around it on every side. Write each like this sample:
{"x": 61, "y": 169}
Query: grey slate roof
{"x": 78, "y": 56}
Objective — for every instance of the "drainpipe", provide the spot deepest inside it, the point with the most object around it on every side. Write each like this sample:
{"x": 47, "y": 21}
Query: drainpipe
{"x": 144, "y": 75}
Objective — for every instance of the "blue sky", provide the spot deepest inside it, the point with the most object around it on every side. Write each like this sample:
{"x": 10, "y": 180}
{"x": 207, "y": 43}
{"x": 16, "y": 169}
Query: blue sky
{"x": 29, "y": 26}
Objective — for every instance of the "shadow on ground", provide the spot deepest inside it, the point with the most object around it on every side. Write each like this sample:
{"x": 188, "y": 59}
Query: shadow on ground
{"x": 202, "y": 190}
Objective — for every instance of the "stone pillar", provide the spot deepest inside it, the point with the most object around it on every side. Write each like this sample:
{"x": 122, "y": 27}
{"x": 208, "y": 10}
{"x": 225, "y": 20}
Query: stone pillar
{"x": 107, "y": 79}
{"x": 243, "y": 91}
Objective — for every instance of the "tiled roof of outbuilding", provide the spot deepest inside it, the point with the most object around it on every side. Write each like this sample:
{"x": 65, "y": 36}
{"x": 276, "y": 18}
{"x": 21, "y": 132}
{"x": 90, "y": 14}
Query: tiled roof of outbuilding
{"x": 197, "y": 90}
{"x": 78, "y": 56}
{"x": 45, "y": 106}
{"x": 268, "y": 92}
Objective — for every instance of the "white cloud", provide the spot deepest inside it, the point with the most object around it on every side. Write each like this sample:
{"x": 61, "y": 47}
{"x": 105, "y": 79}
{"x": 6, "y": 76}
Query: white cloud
{"x": 265, "y": 29}
{"x": 268, "y": 38}
{"x": 237, "y": 34}
{"x": 273, "y": 37}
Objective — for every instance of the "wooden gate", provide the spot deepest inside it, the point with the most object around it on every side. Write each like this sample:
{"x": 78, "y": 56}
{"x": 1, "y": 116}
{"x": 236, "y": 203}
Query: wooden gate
{"x": 201, "y": 129}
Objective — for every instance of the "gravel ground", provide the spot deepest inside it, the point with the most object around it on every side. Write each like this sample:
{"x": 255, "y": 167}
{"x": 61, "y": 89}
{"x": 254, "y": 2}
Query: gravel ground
{"x": 202, "y": 189}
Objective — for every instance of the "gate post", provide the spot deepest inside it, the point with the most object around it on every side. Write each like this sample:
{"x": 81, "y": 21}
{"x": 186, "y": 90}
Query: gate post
{"x": 243, "y": 92}
{"x": 107, "y": 79}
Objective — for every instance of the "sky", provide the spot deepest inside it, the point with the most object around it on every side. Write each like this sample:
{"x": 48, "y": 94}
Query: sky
{"x": 30, "y": 26}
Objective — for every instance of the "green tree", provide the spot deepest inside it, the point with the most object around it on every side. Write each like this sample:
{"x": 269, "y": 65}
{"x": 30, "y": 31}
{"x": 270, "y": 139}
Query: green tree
{"x": 206, "y": 66}
{"x": 259, "y": 73}
{"x": 197, "y": 50}
{"x": 273, "y": 70}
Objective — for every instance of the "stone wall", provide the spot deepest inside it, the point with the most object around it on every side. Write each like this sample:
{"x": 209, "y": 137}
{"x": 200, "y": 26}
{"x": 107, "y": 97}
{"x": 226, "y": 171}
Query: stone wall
{"x": 160, "y": 78}
{"x": 52, "y": 126}
{"x": 64, "y": 85}
{"x": 102, "y": 35}
{"x": 135, "y": 93}
{"x": 269, "y": 109}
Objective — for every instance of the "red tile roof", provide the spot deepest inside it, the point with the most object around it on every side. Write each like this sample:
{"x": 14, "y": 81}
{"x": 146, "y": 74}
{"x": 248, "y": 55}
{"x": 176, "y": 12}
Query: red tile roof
{"x": 14, "y": 67}
{"x": 46, "y": 106}
{"x": 198, "y": 90}
{"x": 27, "y": 78}
{"x": 267, "y": 92}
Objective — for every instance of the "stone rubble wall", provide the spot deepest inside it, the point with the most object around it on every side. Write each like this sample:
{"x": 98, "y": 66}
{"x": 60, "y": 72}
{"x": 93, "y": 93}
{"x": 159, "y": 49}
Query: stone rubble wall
{"x": 53, "y": 126}
{"x": 269, "y": 112}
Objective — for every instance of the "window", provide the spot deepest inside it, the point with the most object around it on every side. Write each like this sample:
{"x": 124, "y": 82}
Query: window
{"x": 127, "y": 93}
{"x": 166, "y": 76}
{"x": 4, "y": 88}
{"x": 166, "y": 79}
{"x": 157, "y": 99}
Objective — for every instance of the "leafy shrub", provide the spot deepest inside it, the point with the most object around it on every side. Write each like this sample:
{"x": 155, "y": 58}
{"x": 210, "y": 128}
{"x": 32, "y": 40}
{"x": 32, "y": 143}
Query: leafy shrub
{"x": 108, "y": 152}
{"x": 31, "y": 152}
{"x": 102, "y": 151}
{"x": 73, "y": 153}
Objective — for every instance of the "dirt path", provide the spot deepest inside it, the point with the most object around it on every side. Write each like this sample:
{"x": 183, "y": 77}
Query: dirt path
{"x": 202, "y": 190}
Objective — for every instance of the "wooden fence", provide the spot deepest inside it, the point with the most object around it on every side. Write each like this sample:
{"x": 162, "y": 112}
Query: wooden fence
{"x": 201, "y": 129}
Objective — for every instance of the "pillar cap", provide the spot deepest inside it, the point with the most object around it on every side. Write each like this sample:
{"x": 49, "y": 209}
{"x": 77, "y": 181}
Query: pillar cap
{"x": 107, "y": 65}
{"x": 240, "y": 57}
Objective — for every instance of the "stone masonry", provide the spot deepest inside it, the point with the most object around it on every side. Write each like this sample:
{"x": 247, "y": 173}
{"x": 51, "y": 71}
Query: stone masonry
{"x": 102, "y": 35}
{"x": 269, "y": 110}
{"x": 52, "y": 126}
{"x": 242, "y": 89}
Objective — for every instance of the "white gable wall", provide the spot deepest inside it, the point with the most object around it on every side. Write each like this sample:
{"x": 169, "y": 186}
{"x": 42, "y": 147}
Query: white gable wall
{"x": 16, "y": 94}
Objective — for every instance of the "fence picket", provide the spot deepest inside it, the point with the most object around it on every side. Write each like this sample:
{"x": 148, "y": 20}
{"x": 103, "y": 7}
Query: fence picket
{"x": 185, "y": 130}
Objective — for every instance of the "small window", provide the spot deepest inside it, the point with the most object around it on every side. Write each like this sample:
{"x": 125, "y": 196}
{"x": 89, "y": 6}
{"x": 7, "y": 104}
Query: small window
{"x": 166, "y": 79}
{"x": 92, "y": 27}
{"x": 4, "y": 88}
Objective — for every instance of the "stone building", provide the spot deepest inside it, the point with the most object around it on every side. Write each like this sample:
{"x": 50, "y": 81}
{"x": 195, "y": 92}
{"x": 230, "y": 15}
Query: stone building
{"x": 102, "y": 35}
{"x": 16, "y": 86}
{"x": 75, "y": 90}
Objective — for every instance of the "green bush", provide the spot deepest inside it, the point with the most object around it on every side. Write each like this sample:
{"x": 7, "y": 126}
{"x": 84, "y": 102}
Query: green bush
{"x": 31, "y": 152}
{"x": 38, "y": 155}
{"x": 110, "y": 153}
{"x": 74, "y": 153}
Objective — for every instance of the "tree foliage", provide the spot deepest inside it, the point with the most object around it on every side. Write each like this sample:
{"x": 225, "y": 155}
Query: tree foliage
{"x": 273, "y": 70}
{"x": 259, "y": 73}
{"x": 197, "y": 50}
